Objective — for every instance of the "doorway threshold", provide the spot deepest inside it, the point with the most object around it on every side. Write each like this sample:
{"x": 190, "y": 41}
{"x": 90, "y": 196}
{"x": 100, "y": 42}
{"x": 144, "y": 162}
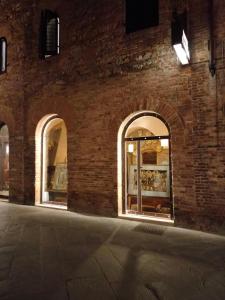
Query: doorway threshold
{"x": 51, "y": 205}
{"x": 135, "y": 217}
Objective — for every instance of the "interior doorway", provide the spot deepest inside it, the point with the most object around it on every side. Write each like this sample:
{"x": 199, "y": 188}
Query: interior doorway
{"x": 147, "y": 171}
{"x": 51, "y": 162}
{"x": 4, "y": 161}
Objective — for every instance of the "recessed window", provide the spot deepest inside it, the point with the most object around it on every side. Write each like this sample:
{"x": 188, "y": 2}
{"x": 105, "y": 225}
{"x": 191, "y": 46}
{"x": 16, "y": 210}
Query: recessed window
{"x": 3, "y": 55}
{"x": 141, "y": 14}
{"x": 179, "y": 37}
{"x": 49, "y": 34}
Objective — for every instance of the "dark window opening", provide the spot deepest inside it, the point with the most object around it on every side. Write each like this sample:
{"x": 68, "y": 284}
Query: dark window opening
{"x": 49, "y": 45}
{"x": 3, "y": 55}
{"x": 141, "y": 14}
{"x": 179, "y": 23}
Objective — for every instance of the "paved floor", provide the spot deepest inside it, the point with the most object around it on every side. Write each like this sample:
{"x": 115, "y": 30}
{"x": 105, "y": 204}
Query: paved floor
{"x": 48, "y": 254}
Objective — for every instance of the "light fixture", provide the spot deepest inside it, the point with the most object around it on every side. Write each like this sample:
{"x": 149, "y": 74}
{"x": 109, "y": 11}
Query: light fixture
{"x": 179, "y": 37}
{"x": 7, "y": 149}
{"x": 130, "y": 148}
{"x": 164, "y": 143}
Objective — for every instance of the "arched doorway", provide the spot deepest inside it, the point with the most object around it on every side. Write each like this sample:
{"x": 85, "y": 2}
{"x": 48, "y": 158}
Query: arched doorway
{"x": 145, "y": 167}
{"x": 51, "y": 162}
{"x": 4, "y": 161}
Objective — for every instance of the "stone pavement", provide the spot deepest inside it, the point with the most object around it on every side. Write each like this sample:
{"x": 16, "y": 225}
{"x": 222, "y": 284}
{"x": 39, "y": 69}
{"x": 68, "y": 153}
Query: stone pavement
{"x": 49, "y": 254}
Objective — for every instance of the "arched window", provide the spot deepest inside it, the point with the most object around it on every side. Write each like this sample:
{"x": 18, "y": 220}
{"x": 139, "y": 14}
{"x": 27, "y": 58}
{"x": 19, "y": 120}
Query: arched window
{"x": 146, "y": 167}
{"x": 49, "y": 34}
{"x": 3, "y": 55}
{"x": 51, "y": 161}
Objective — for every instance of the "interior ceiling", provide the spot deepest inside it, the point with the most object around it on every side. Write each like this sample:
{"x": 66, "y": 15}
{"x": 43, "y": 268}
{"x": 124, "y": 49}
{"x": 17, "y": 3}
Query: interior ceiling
{"x": 57, "y": 122}
{"x": 153, "y": 124}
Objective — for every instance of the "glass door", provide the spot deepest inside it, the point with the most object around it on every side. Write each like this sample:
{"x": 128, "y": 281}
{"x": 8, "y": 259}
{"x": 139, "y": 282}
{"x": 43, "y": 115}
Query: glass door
{"x": 147, "y": 167}
{"x": 154, "y": 177}
{"x": 133, "y": 177}
{"x": 148, "y": 177}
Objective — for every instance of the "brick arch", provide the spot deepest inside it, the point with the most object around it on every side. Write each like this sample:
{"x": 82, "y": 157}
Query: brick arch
{"x": 60, "y": 107}
{"x": 6, "y": 116}
{"x": 165, "y": 110}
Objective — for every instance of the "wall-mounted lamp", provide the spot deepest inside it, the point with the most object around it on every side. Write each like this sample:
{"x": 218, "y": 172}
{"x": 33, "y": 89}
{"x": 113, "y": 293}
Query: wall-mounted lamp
{"x": 179, "y": 37}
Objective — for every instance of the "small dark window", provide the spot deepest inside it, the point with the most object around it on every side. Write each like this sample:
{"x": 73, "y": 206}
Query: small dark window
{"x": 179, "y": 24}
{"x": 3, "y": 55}
{"x": 49, "y": 34}
{"x": 141, "y": 14}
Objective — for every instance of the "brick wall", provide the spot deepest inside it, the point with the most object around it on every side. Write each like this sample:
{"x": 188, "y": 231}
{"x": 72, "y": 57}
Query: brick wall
{"x": 12, "y": 93}
{"x": 100, "y": 77}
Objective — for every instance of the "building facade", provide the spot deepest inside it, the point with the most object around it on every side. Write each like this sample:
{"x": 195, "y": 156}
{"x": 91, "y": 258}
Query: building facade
{"x": 102, "y": 81}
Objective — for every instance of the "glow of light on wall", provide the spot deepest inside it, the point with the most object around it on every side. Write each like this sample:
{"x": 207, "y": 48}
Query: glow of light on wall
{"x": 164, "y": 143}
{"x": 130, "y": 148}
{"x": 7, "y": 149}
{"x": 182, "y": 50}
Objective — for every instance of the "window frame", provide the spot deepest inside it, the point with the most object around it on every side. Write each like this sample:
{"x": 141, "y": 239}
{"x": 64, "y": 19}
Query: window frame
{"x": 3, "y": 68}
{"x": 46, "y": 16}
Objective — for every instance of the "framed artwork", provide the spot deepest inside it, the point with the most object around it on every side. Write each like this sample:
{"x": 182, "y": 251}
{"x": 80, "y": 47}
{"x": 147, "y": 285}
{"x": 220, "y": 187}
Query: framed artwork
{"x": 60, "y": 177}
{"x": 154, "y": 180}
{"x": 149, "y": 158}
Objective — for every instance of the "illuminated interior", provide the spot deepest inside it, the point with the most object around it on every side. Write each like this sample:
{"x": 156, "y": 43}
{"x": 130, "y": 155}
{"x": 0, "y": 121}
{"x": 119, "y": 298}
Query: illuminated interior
{"x": 4, "y": 161}
{"x": 54, "y": 162}
{"x": 147, "y": 168}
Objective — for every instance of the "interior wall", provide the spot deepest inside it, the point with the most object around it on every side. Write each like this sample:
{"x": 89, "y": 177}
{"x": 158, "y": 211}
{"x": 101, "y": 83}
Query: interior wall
{"x": 61, "y": 154}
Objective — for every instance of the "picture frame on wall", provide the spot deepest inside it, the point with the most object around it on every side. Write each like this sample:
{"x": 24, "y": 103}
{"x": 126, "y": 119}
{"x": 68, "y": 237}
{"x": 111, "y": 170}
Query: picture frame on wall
{"x": 154, "y": 180}
{"x": 60, "y": 177}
